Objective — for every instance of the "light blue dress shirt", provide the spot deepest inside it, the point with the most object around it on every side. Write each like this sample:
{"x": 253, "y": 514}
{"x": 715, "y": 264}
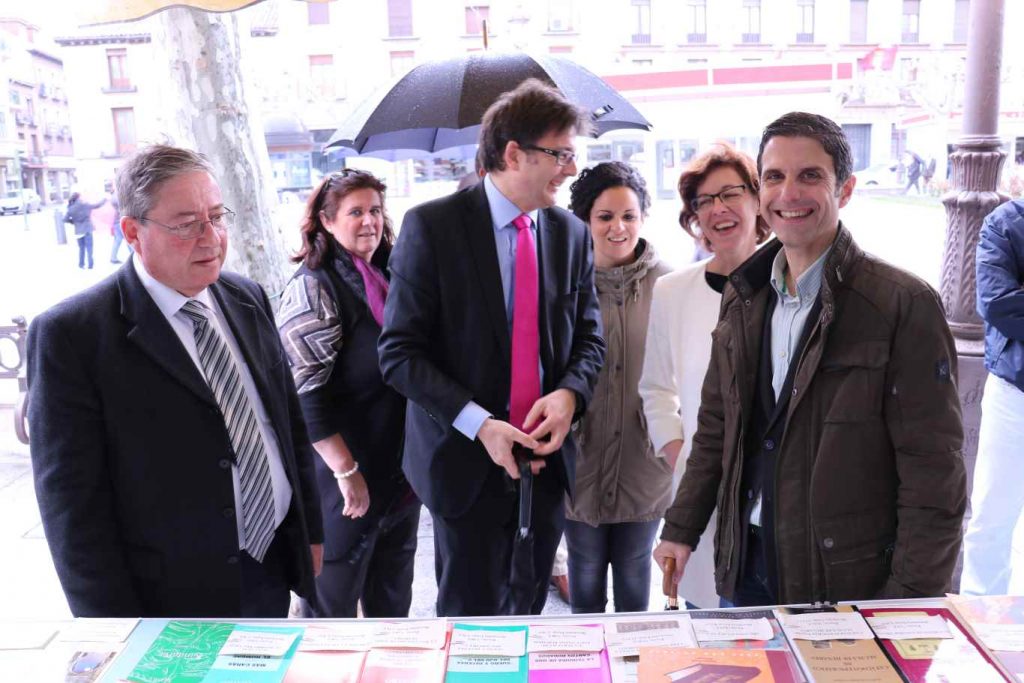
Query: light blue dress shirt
{"x": 788, "y": 320}
{"x": 503, "y": 212}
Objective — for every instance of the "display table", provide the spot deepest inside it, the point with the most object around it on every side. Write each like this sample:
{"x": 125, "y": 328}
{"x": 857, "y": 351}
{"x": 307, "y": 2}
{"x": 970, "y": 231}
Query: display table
{"x": 975, "y": 640}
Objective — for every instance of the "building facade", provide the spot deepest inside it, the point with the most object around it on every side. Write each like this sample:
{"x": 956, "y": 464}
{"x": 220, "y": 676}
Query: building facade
{"x": 37, "y": 115}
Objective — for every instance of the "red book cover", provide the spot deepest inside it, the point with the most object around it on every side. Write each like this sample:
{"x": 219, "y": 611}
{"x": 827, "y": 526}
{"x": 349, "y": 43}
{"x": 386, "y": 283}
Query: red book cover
{"x": 923, "y": 660}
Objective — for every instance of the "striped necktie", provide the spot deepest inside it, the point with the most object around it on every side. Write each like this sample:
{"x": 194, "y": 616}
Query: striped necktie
{"x": 246, "y": 440}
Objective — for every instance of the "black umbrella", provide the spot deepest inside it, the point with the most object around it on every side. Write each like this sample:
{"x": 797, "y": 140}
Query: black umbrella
{"x": 523, "y": 579}
{"x": 440, "y": 104}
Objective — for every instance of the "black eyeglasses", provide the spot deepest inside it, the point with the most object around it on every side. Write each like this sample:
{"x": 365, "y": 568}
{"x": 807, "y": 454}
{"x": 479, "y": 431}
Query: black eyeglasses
{"x": 729, "y": 195}
{"x": 562, "y": 157}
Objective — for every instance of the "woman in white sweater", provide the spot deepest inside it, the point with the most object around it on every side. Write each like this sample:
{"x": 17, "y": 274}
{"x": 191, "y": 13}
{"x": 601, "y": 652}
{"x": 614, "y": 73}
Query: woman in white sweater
{"x": 720, "y": 210}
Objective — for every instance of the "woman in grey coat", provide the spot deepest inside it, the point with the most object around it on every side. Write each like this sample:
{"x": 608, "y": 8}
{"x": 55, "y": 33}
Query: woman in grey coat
{"x": 622, "y": 488}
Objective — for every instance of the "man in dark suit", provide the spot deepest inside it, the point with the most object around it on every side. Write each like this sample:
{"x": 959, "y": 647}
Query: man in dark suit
{"x": 492, "y": 331}
{"x": 171, "y": 463}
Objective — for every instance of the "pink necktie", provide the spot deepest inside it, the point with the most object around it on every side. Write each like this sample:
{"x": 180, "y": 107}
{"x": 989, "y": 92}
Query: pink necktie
{"x": 525, "y": 332}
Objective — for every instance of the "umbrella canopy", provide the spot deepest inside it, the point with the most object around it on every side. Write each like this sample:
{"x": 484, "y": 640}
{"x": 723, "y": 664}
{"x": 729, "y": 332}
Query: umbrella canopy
{"x": 440, "y": 104}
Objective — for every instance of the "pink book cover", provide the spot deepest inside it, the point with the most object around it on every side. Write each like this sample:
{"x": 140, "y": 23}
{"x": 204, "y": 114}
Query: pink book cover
{"x": 406, "y": 665}
{"x": 325, "y": 667}
{"x": 577, "y": 667}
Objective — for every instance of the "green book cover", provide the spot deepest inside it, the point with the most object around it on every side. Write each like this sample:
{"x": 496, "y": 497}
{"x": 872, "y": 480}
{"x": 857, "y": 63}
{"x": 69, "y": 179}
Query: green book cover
{"x": 184, "y": 652}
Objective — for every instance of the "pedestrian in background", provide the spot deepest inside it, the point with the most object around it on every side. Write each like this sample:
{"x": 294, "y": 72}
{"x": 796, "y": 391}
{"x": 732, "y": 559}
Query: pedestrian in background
{"x": 720, "y": 211}
{"x": 80, "y": 215}
{"x": 622, "y": 489}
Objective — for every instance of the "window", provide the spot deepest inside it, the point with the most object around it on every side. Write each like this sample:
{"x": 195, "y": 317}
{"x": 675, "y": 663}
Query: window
{"x": 559, "y": 15}
{"x": 124, "y": 130}
{"x": 751, "y": 21}
{"x": 696, "y": 21}
{"x": 3, "y": 126}
{"x": 15, "y": 97}
{"x": 321, "y": 76}
{"x": 911, "y": 21}
{"x": 805, "y": 21}
{"x": 858, "y": 21}
{"x": 117, "y": 69}
{"x": 476, "y": 15}
{"x": 402, "y": 61}
{"x": 319, "y": 13}
{"x": 642, "y": 22}
{"x": 961, "y": 16}
{"x": 399, "y": 18}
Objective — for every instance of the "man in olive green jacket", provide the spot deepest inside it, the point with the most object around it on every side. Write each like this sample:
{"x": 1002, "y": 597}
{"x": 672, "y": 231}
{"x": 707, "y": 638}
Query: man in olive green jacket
{"x": 829, "y": 433}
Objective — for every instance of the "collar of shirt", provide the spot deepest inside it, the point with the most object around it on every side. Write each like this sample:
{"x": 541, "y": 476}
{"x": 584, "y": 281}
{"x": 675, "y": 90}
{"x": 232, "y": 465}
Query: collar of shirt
{"x": 503, "y": 211}
{"x": 168, "y": 300}
{"x": 807, "y": 285}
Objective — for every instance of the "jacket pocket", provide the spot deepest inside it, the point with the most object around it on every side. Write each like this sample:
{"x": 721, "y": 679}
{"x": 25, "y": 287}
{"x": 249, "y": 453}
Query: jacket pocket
{"x": 851, "y": 380}
{"x": 856, "y": 554}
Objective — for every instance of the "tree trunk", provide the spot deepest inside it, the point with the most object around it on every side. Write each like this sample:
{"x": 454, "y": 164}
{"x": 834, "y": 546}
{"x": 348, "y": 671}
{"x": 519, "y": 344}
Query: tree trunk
{"x": 205, "y": 107}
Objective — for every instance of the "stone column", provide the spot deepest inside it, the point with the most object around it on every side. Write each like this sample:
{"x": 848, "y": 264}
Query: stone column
{"x": 974, "y": 194}
{"x": 976, "y": 163}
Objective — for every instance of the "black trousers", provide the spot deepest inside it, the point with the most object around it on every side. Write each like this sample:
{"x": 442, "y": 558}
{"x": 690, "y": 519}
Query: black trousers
{"x": 473, "y": 552}
{"x": 755, "y": 587}
{"x": 379, "y": 571}
{"x": 264, "y": 586}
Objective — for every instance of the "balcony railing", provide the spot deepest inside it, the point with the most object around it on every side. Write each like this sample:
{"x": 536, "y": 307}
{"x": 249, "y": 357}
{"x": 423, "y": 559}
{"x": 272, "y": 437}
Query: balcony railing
{"x": 641, "y": 39}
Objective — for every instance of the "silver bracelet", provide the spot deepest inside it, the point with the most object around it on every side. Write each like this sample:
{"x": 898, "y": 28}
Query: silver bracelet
{"x": 346, "y": 475}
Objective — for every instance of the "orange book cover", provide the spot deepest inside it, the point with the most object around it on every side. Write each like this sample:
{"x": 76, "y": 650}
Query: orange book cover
{"x": 695, "y": 665}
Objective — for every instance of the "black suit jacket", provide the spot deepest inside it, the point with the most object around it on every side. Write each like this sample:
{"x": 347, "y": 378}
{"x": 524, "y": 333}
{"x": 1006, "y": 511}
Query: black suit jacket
{"x": 446, "y": 337}
{"x": 131, "y": 456}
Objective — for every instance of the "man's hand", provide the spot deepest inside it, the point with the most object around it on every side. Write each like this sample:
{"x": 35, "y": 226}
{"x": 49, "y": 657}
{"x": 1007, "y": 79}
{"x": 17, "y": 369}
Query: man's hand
{"x": 498, "y": 437}
{"x": 680, "y": 551}
{"x": 356, "y": 494}
{"x": 554, "y": 412}
{"x": 671, "y": 451}
{"x": 317, "y": 552}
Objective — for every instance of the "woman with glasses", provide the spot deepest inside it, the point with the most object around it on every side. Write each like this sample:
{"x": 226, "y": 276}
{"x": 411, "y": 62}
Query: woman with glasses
{"x": 720, "y": 210}
{"x": 622, "y": 490}
{"x": 330, "y": 317}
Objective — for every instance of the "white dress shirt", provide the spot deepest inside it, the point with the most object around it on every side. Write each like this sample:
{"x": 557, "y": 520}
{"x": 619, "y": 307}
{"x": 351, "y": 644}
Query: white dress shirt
{"x": 170, "y": 302}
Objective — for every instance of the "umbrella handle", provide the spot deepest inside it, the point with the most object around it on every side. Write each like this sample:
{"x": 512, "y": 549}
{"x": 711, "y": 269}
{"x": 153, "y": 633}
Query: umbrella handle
{"x": 669, "y": 587}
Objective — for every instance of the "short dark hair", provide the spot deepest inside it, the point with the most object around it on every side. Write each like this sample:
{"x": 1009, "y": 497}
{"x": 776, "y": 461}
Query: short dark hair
{"x": 525, "y": 115}
{"x": 326, "y": 199}
{"x": 799, "y": 124}
{"x": 704, "y": 164}
{"x": 592, "y": 181}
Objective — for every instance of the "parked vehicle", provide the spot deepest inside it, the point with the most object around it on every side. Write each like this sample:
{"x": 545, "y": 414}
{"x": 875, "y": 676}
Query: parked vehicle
{"x": 880, "y": 176}
{"x": 20, "y": 201}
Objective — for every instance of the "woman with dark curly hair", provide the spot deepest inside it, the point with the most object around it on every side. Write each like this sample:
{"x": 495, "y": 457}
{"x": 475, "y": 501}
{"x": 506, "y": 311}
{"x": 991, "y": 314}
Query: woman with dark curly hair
{"x": 720, "y": 210}
{"x": 621, "y": 488}
{"x": 330, "y": 318}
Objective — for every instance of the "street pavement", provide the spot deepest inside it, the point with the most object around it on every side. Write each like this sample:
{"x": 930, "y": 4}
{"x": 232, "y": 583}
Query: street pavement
{"x": 36, "y": 272}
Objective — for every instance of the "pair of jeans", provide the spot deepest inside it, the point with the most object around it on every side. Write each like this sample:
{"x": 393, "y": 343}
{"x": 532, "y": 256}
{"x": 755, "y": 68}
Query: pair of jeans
{"x": 118, "y": 239}
{"x": 85, "y": 250}
{"x": 997, "y": 496}
{"x": 626, "y": 547}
